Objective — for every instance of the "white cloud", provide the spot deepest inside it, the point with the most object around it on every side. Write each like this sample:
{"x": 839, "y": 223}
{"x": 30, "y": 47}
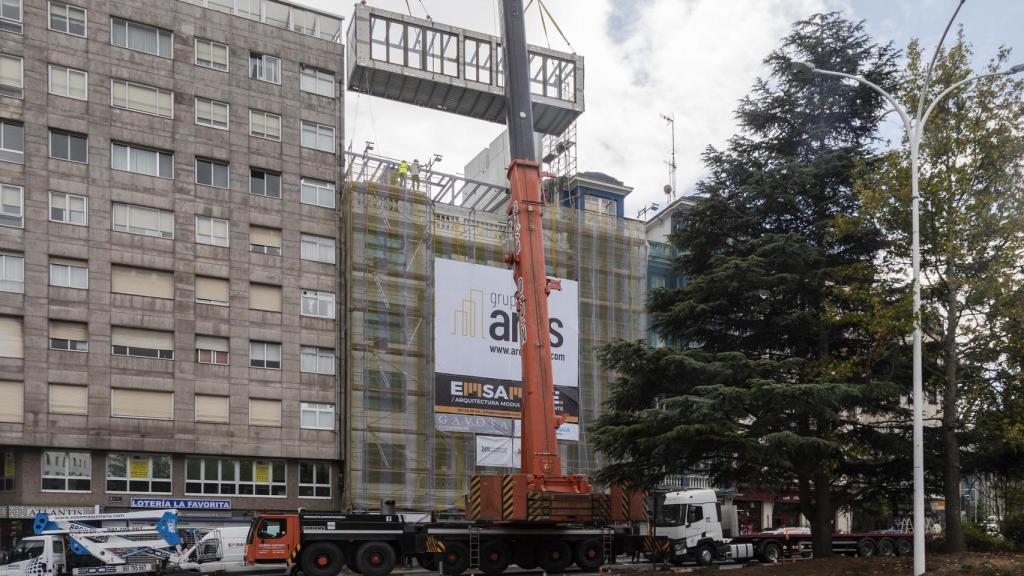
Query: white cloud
{"x": 693, "y": 58}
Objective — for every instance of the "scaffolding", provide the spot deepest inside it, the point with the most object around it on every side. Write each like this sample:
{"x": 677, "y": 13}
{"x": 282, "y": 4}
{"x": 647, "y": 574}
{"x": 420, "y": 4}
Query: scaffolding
{"x": 395, "y": 230}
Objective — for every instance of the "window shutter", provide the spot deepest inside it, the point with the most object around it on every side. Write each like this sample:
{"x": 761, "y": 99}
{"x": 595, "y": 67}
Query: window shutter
{"x": 141, "y": 282}
{"x": 125, "y": 403}
{"x": 265, "y": 297}
{"x": 215, "y": 289}
{"x": 264, "y": 236}
{"x": 211, "y": 409}
{"x": 120, "y": 336}
{"x": 67, "y": 262}
{"x": 11, "y": 340}
{"x": 69, "y": 399}
{"x": 264, "y": 412}
{"x": 69, "y": 330}
{"x": 12, "y": 402}
{"x": 211, "y": 343}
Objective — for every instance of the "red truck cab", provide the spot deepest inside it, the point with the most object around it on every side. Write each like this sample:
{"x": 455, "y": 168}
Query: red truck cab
{"x": 273, "y": 538}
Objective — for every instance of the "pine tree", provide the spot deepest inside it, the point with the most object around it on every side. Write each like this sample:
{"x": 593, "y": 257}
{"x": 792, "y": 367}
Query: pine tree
{"x": 791, "y": 329}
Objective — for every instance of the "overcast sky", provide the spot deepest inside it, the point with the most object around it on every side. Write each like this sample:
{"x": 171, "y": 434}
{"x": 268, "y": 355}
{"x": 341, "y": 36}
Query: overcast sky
{"x": 690, "y": 58}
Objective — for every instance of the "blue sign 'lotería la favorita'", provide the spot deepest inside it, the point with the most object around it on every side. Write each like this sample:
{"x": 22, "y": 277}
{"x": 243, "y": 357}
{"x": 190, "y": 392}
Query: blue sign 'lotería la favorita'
{"x": 181, "y": 504}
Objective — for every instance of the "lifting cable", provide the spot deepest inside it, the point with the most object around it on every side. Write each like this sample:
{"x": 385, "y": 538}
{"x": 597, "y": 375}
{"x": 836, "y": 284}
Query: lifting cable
{"x": 555, "y": 23}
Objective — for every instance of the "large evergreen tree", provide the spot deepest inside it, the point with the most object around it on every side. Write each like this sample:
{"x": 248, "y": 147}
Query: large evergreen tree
{"x": 789, "y": 326}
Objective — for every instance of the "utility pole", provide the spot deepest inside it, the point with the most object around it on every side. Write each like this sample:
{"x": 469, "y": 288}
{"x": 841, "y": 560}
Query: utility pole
{"x": 671, "y": 119}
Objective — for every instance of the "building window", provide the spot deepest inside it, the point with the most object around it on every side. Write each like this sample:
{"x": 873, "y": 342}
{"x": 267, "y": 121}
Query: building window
{"x": 264, "y": 183}
{"x": 265, "y": 68}
{"x": 265, "y": 355}
{"x": 207, "y": 476}
{"x": 135, "y": 219}
{"x": 318, "y": 248}
{"x": 141, "y": 38}
{"x": 215, "y": 291}
{"x": 211, "y": 173}
{"x": 317, "y": 82}
{"x": 478, "y": 60}
{"x": 212, "y": 350}
{"x": 385, "y": 390}
{"x": 318, "y": 304}
{"x": 70, "y": 336}
{"x": 68, "y": 18}
{"x": 315, "y": 360}
{"x": 317, "y": 193}
{"x": 141, "y": 98}
{"x": 12, "y": 77}
{"x": 66, "y": 471}
{"x": 318, "y": 136}
{"x": 264, "y": 125}
{"x": 212, "y": 231}
{"x": 12, "y": 142}
{"x": 10, "y": 16}
{"x": 142, "y": 282}
{"x": 69, "y": 399}
{"x": 12, "y": 206}
{"x": 69, "y": 208}
{"x": 131, "y": 158}
{"x": 212, "y": 113}
{"x": 69, "y": 146}
{"x": 138, "y": 473}
{"x": 141, "y": 343}
{"x": 141, "y": 404}
{"x": 314, "y": 480}
{"x": 265, "y": 240}
{"x": 213, "y": 409}
{"x": 12, "y": 273}
{"x": 210, "y": 54}
{"x": 385, "y": 249}
{"x": 383, "y": 327}
{"x": 385, "y": 463}
{"x": 317, "y": 416}
{"x": 69, "y": 82}
{"x": 69, "y": 274}
{"x": 10, "y": 473}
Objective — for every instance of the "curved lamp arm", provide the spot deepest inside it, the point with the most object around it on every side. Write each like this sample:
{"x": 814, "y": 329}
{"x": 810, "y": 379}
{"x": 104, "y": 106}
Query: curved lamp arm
{"x": 947, "y": 91}
{"x": 896, "y": 105}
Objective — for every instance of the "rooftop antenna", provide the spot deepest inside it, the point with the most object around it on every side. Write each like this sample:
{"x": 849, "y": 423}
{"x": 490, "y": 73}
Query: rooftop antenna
{"x": 671, "y": 119}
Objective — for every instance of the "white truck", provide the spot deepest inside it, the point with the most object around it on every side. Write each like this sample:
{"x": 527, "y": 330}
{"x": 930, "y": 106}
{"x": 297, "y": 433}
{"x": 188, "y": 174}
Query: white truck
{"x": 688, "y": 527}
{"x": 150, "y": 543}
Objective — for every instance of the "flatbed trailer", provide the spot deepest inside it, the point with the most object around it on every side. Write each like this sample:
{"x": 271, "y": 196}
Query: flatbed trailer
{"x": 774, "y": 546}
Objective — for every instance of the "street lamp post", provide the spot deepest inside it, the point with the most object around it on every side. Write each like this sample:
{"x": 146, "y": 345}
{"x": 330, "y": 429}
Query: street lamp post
{"x": 915, "y": 128}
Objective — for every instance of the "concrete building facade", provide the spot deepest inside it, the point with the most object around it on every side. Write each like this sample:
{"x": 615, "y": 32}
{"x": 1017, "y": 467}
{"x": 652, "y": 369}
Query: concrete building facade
{"x": 169, "y": 255}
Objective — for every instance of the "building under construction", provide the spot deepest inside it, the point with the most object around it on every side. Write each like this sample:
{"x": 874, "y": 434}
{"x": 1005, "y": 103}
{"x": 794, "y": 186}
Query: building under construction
{"x": 402, "y": 445}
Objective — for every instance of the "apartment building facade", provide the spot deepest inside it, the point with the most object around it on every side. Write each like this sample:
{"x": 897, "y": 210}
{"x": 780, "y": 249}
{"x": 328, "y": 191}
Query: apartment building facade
{"x": 169, "y": 256}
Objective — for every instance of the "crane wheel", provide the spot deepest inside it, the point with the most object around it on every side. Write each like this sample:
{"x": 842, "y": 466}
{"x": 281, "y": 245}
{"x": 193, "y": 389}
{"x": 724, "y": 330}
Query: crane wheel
{"x": 375, "y": 558}
{"x": 322, "y": 559}
{"x": 495, "y": 556}
{"x": 427, "y": 561}
{"x": 523, "y": 556}
{"x": 589, "y": 554}
{"x": 455, "y": 559}
{"x": 554, "y": 556}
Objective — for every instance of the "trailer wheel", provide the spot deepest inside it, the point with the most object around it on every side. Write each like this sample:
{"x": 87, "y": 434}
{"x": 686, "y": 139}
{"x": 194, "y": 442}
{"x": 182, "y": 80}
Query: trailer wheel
{"x": 495, "y": 556}
{"x": 427, "y": 561}
{"x": 771, "y": 552}
{"x": 322, "y": 559}
{"x": 455, "y": 560}
{"x": 886, "y": 547}
{"x": 866, "y": 547}
{"x": 554, "y": 556}
{"x": 589, "y": 554}
{"x": 375, "y": 559}
{"x": 705, "y": 555}
{"x": 904, "y": 547}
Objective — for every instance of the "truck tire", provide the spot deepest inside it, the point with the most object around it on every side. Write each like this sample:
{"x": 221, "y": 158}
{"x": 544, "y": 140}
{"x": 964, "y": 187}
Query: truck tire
{"x": 866, "y": 548}
{"x": 904, "y": 546}
{"x": 495, "y": 556}
{"x": 375, "y": 558}
{"x": 705, "y": 554}
{"x": 427, "y": 561}
{"x": 322, "y": 559}
{"x": 455, "y": 560}
{"x": 589, "y": 554}
{"x": 554, "y": 556}
{"x": 886, "y": 547}
{"x": 523, "y": 554}
{"x": 771, "y": 552}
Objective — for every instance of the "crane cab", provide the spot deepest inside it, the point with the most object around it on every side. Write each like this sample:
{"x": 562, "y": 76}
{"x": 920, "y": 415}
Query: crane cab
{"x": 273, "y": 538}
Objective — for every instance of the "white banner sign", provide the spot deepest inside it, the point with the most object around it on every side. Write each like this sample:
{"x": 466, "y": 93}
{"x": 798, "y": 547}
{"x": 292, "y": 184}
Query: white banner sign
{"x": 500, "y": 451}
{"x": 475, "y": 324}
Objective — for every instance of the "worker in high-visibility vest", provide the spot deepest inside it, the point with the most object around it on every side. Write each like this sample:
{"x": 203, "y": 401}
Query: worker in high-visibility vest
{"x": 403, "y": 171}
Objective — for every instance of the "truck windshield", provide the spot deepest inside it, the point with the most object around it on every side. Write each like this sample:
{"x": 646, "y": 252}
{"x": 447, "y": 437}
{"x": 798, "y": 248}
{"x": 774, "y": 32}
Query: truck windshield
{"x": 26, "y": 550}
{"x": 670, "y": 515}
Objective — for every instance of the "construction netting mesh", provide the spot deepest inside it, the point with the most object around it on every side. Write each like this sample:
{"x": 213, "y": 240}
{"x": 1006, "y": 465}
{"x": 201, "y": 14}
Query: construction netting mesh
{"x": 395, "y": 230}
